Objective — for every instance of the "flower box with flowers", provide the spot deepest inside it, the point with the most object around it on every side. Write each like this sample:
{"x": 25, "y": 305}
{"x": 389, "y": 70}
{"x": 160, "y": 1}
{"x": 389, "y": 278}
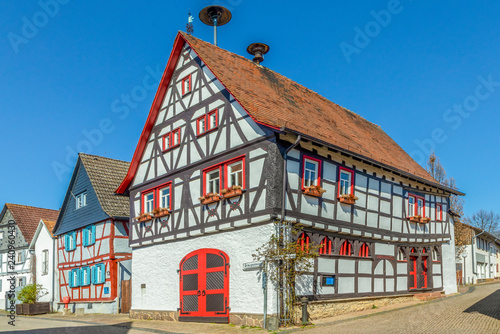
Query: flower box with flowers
{"x": 232, "y": 191}
{"x": 415, "y": 219}
{"x": 160, "y": 212}
{"x": 315, "y": 191}
{"x": 424, "y": 220}
{"x": 209, "y": 198}
{"x": 144, "y": 217}
{"x": 348, "y": 199}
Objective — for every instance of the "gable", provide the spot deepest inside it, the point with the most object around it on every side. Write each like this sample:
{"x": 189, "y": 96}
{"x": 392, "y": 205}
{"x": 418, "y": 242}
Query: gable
{"x": 19, "y": 240}
{"x": 72, "y": 218}
{"x": 182, "y": 112}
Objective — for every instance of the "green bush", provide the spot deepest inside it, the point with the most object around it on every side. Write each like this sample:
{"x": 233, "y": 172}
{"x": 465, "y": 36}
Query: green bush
{"x": 30, "y": 293}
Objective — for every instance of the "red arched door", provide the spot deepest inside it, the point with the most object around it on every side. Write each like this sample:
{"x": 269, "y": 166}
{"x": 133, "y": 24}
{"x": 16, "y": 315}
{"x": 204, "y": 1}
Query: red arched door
{"x": 204, "y": 286}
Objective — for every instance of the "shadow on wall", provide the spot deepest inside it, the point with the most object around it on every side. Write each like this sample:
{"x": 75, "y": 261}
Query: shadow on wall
{"x": 489, "y": 306}
{"x": 122, "y": 328}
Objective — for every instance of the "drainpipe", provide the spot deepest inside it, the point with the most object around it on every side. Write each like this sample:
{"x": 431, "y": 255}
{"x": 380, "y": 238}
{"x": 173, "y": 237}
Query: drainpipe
{"x": 282, "y": 219}
{"x": 474, "y": 265}
{"x": 53, "y": 273}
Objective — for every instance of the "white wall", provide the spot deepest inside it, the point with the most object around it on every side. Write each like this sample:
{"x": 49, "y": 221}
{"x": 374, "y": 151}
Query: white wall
{"x": 45, "y": 242}
{"x": 156, "y": 266}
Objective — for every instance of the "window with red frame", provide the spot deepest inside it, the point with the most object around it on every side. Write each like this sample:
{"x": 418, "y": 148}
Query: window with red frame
{"x": 325, "y": 247}
{"x": 158, "y": 197}
{"x": 172, "y": 139}
{"x": 311, "y": 172}
{"x": 346, "y": 249}
{"x": 416, "y": 206}
{"x": 227, "y": 174}
{"x": 439, "y": 212}
{"x": 303, "y": 242}
{"x": 207, "y": 122}
{"x": 186, "y": 85}
{"x": 364, "y": 251}
{"x": 346, "y": 178}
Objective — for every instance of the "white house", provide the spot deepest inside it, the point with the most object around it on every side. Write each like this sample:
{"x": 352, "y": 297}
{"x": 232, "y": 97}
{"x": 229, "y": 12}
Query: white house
{"x": 478, "y": 261}
{"x": 44, "y": 258}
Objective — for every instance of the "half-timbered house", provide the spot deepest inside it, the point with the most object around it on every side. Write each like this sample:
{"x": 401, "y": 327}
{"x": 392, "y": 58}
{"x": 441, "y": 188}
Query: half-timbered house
{"x": 92, "y": 237}
{"x": 18, "y": 224}
{"x": 225, "y": 141}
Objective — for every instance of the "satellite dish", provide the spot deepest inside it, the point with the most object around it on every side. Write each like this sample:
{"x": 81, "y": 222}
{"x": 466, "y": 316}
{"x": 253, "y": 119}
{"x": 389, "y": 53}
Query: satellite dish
{"x": 215, "y": 16}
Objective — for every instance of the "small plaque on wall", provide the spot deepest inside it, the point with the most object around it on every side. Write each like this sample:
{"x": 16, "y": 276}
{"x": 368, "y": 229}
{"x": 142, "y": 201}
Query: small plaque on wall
{"x": 328, "y": 281}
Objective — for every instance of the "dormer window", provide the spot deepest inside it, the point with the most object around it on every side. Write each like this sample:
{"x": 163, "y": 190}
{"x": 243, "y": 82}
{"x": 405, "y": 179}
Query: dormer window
{"x": 207, "y": 122}
{"x": 81, "y": 200}
{"x": 186, "y": 85}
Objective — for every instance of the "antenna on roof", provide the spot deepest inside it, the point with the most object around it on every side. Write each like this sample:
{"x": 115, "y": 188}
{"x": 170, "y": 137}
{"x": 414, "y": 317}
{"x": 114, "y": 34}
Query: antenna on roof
{"x": 258, "y": 50}
{"x": 215, "y": 16}
{"x": 189, "y": 25}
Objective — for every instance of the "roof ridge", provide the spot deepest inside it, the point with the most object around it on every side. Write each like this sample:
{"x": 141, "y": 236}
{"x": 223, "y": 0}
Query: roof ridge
{"x": 30, "y": 206}
{"x": 81, "y": 154}
{"x": 283, "y": 76}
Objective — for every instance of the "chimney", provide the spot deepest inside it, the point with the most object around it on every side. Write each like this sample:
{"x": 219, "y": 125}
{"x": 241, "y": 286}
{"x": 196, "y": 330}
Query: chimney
{"x": 258, "y": 50}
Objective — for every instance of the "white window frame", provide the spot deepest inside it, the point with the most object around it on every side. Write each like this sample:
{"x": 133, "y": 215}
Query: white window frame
{"x": 19, "y": 257}
{"x": 411, "y": 206}
{"x": 81, "y": 200}
{"x": 420, "y": 210}
{"x": 231, "y": 174}
{"x": 308, "y": 179}
{"x": 149, "y": 204}
{"x": 345, "y": 185}
{"x": 211, "y": 188}
{"x": 165, "y": 197}
{"x": 76, "y": 276}
{"x": 1, "y": 235}
{"x": 45, "y": 262}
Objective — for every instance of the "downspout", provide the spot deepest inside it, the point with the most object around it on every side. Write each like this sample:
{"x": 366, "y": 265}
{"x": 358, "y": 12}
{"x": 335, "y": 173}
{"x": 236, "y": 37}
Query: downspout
{"x": 474, "y": 265}
{"x": 54, "y": 241}
{"x": 282, "y": 219}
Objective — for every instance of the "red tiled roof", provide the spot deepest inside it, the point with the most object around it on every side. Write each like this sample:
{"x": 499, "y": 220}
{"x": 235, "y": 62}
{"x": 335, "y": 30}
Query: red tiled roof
{"x": 28, "y": 218}
{"x": 50, "y": 226}
{"x": 280, "y": 103}
{"x": 275, "y": 100}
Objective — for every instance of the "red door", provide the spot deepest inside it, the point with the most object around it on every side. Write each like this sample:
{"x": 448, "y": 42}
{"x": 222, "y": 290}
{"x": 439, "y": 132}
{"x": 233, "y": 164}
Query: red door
{"x": 204, "y": 286}
{"x": 413, "y": 272}
{"x": 424, "y": 272}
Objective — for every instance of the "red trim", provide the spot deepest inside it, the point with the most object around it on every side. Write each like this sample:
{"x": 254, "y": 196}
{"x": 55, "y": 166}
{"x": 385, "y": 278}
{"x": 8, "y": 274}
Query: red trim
{"x": 171, "y": 135}
{"x": 352, "y": 180}
{"x": 416, "y": 197}
{"x": 364, "y": 251}
{"x": 155, "y": 107}
{"x": 318, "y": 177}
{"x": 440, "y": 206}
{"x": 325, "y": 246}
{"x": 183, "y": 86}
{"x": 209, "y": 169}
{"x": 208, "y": 125}
{"x": 346, "y": 248}
{"x": 156, "y": 196}
{"x": 226, "y": 173}
{"x": 413, "y": 273}
{"x": 424, "y": 270}
{"x": 303, "y": 242}
{"x": 143, "y": 202}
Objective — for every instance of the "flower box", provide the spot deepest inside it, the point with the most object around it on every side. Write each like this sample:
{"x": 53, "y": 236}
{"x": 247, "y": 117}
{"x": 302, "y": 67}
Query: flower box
{"x": 425, "y": 220}
{"x": 161, "y": 212}
{"x": 233, "y": 193}
{"x": 315, "y": 191}
{"x": 209, "y": 199}
{"x": 32, "y": 309}
{"x": 348, "y": 199}
{"x": 414, "y": 219}
{"x": 145, "y": 217}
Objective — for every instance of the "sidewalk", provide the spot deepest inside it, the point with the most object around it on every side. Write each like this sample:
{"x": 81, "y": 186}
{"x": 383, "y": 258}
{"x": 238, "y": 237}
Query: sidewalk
{"x": 159, "y": 326}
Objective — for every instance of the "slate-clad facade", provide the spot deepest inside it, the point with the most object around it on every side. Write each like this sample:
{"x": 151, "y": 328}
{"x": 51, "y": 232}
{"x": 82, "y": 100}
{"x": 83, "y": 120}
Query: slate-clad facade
{"x": 206, "y": 186}
{"x": 92, "y": 237}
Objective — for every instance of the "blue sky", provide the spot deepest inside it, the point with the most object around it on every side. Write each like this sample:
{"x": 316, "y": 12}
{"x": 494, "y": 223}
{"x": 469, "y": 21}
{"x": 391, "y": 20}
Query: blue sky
{"x": 427, "y": 72}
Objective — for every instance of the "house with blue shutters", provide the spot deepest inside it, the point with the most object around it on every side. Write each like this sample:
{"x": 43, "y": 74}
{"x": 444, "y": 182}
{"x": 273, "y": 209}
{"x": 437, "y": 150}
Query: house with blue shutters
{"x": 94, "y": 257}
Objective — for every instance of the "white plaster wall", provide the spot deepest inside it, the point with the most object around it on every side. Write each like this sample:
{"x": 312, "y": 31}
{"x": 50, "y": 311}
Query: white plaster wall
{"x": 157, "y": 265}
{"x": 449, "y": 268}
{"x": 45, "y": 241}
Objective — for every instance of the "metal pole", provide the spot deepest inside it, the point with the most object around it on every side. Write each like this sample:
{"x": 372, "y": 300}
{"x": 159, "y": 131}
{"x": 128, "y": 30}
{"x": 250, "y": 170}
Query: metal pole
{"x": 264, "y": 286}
{"x": 215, "y": 30}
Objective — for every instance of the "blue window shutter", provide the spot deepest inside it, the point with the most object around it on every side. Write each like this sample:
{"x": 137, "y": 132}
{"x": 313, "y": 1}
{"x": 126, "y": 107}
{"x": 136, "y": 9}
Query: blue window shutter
{"x": 94, "y": 274}
{"x": 73, "y": 235}
{"x": 103, "y": 272}
{"x": 71, "y": 278}
{"x": 93, "y": 234}
{"x": 85, "y": 233}
{"x": 66, "y": 242}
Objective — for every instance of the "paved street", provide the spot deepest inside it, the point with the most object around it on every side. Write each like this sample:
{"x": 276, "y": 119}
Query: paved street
{"x": 474, "y": 312}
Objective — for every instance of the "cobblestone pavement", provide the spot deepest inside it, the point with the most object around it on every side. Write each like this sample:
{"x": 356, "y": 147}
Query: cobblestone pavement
{"x": 475, "y": 312}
